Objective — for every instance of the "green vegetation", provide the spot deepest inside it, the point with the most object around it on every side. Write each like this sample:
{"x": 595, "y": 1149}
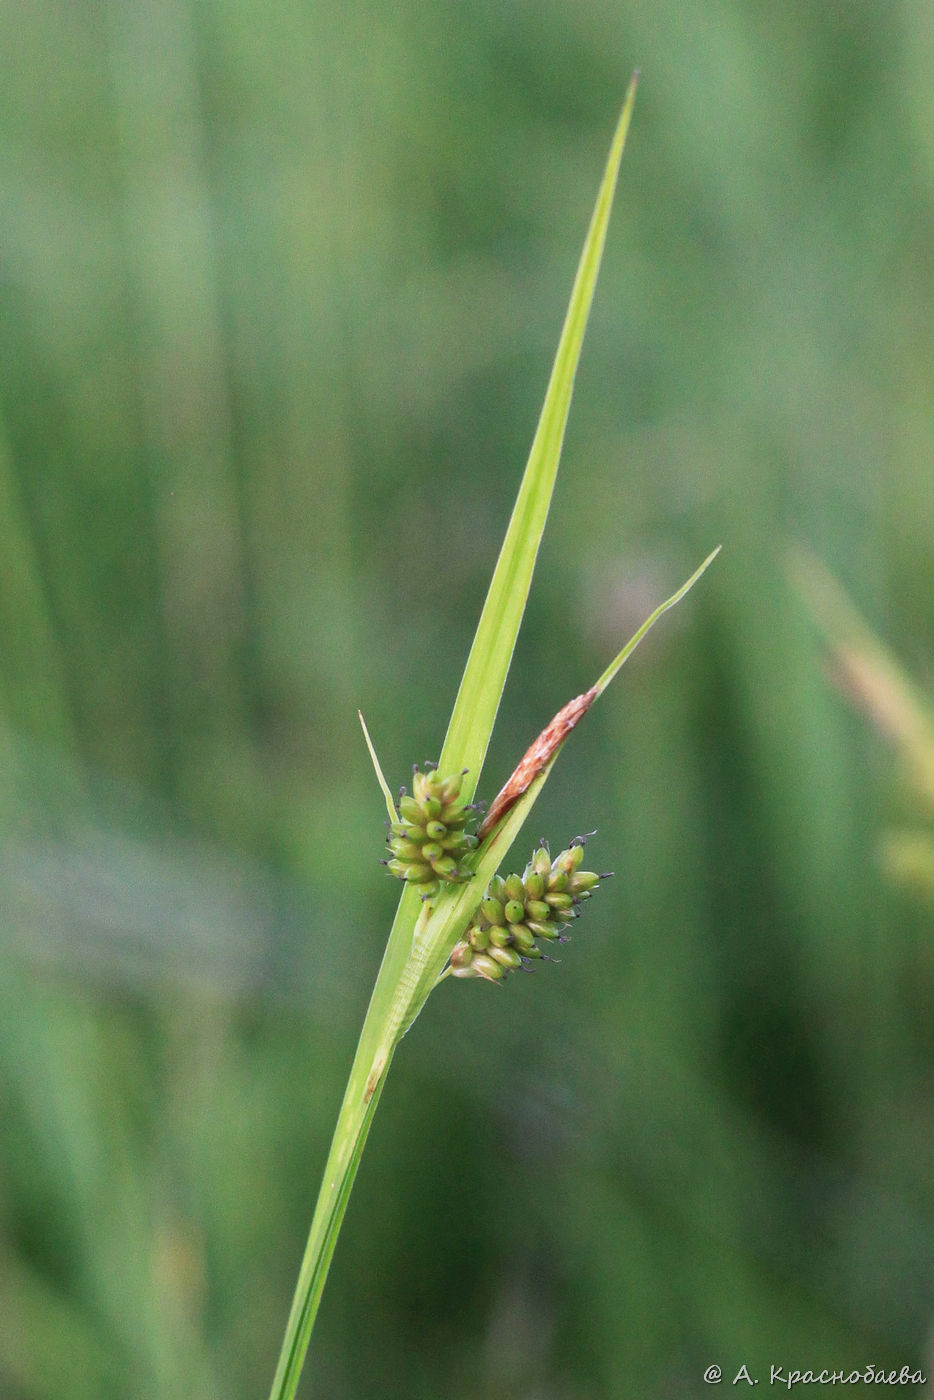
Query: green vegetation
{"x": 280, "y": 290}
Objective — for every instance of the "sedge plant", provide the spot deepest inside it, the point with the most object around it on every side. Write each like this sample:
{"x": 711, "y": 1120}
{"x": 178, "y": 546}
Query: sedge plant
{"x": 457, "y": 917}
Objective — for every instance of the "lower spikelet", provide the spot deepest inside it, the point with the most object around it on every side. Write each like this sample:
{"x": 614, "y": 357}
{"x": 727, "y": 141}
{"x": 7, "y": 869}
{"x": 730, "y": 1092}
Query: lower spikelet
{"x": 520, "y": 910}
{"x": 429, "y": 840}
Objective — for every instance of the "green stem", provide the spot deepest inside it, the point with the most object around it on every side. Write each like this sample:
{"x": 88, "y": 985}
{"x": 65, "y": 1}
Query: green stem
{"x": 396, "y": 1001}
{"x": 374, "y": 1052}
{"x": 343, "y": 1160}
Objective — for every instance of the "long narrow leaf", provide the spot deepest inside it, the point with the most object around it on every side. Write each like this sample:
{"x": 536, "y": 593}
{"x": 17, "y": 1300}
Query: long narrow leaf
{"x": 482, "y": 685}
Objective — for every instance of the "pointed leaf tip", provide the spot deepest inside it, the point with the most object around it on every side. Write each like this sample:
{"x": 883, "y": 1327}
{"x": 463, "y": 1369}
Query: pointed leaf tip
{"x": 485, "y": 675}
{"x": 650, "y": 621}
{"x": 390, "y": 805}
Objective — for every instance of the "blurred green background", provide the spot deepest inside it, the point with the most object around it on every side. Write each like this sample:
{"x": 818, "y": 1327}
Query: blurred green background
{"x": 280, "y": 285}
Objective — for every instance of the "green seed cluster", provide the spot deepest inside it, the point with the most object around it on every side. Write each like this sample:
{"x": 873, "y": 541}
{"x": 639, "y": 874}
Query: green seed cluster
{"x": 429, "y": 840}
{"x": 520, "y": 910}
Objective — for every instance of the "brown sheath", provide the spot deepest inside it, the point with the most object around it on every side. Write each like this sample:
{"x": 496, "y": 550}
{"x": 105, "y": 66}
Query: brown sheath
{"x": 535, "y": 758}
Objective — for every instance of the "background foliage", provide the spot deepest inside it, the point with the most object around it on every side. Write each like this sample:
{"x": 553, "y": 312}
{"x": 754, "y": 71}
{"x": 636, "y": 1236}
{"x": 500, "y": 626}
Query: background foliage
{"x": 280, "y": 289}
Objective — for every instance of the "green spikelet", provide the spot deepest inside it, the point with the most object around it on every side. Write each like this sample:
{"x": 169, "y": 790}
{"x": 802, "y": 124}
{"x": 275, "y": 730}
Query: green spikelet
{"x": 429, "y": 839}
{"x": 520, "y": 910}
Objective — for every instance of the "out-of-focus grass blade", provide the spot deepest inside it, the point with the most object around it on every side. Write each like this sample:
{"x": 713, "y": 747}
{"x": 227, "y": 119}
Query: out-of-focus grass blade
{"x": 870, "y": 675}
{"x": 47, "y": 1346}
{"x": 482, "y": 685}
{"x": 31, "y": 650}
{"x": 875, "y": 682}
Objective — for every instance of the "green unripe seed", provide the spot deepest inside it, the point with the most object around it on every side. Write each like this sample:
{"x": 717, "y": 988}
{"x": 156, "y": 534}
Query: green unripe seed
{"x": 541, "y": 861}
{"x": 432, "y": 851}
{"x": 524, "y": 939}
{"x": 405, "y": 850}
{"x": 499, "y": 937}
{"x": 493, "y": 910}
{"x": 537, "y": 909}
{"x": 479, "y": 938}
{"x": 506, "y": 957}
{"x": 534, "y": 885}
{"x": 583, "y": 881}
{"x": 514, "y": 911}
{"x": 458, "y": 841}
{"x": 557, "y": 881}
{"x": 422, "y": 786}
{"x": 559, "y": 900}
{"x": 435, "y": 830}
{"x": 515, "y": 888}
{"x": 432, "y": 808}
{"x": 488, "y": 967}
{"x": 569, "y": 860}
{"x": 497, "y": 889}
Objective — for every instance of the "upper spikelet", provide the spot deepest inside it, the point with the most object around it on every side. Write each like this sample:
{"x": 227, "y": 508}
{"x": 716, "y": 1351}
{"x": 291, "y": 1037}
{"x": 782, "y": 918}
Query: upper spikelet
{"x": 429, "y": 839}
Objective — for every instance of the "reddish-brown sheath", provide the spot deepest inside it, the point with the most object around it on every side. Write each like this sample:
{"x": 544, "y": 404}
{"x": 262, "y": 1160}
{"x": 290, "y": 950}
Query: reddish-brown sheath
{"x": 535, "y": 758}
